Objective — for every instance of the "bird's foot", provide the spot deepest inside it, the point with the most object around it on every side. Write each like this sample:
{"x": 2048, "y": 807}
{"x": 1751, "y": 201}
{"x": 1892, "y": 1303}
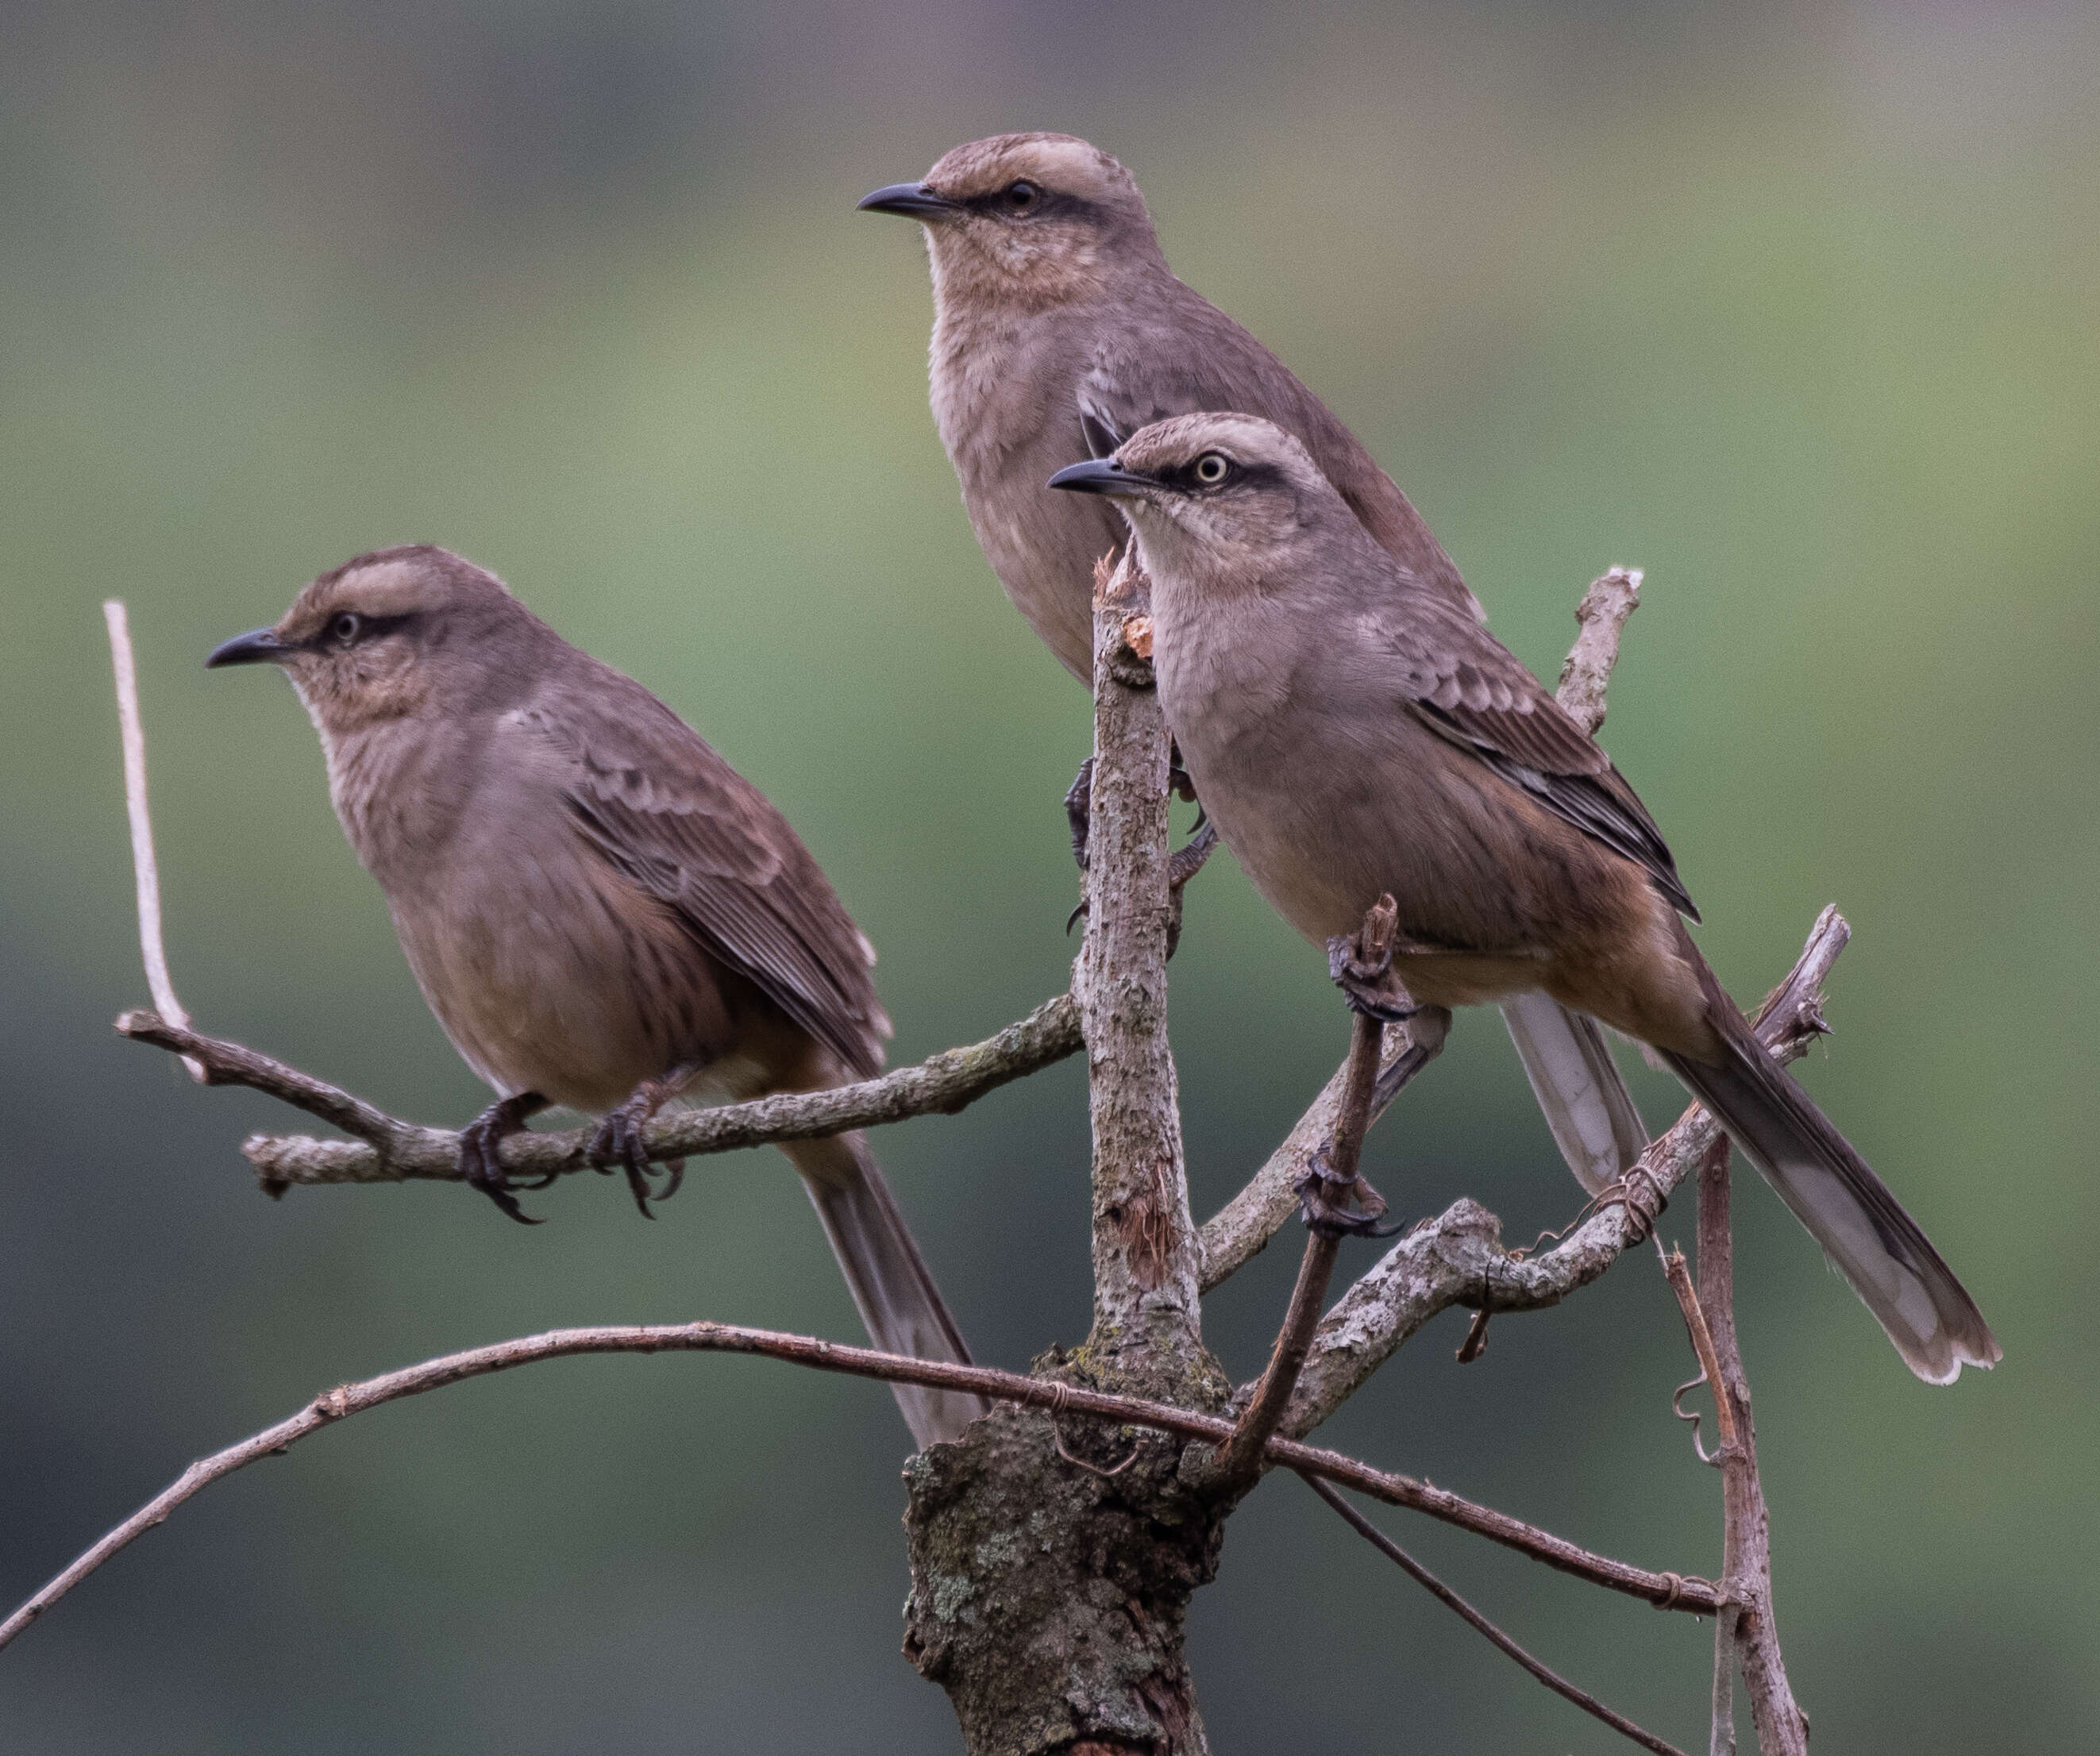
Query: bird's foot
{"x": 481, "y": 1158}
{"x": 1188, "y": 860}
{"x": 1337, "y": 1206}
{"x": 1185, "y": 863}
{"x": 620, "y": 1140}
{"x": 1361, "y": 965}
{"x": 1079, "y": 808}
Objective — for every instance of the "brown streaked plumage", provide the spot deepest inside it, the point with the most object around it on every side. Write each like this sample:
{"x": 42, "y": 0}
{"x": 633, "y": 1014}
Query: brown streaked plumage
{"x": 1352, "y": 732}
{"x": 602, "y": 913}
{"x": 1058, "y": 329}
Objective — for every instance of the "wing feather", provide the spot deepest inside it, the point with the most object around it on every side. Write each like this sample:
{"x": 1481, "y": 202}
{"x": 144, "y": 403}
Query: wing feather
{"x": 655, "y": 801}
{"x": 1467, "y": 688}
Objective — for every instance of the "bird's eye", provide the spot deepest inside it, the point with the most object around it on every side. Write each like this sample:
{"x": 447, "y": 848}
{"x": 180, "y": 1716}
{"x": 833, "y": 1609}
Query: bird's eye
{"x": 346, "y": 628}
{"x": 1212, "y": 467}
{"x": 1022, "y": 195}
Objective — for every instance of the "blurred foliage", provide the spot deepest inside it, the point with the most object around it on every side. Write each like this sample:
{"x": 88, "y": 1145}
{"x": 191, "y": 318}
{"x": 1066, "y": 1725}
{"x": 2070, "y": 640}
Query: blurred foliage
{"x": 1794, "y": 307}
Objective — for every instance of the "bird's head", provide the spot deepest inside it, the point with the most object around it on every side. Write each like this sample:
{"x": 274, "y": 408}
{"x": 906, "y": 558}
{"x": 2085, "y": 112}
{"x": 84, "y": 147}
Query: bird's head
{"x": 395, "y": 633}
{"x": 1033, "y": 219}
{"x": 1215, "y": 491}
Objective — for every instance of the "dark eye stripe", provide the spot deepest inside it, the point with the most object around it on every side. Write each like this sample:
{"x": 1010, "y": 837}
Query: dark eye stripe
{"x": 1047, "y": 201}
{"x": 368, "y": 628}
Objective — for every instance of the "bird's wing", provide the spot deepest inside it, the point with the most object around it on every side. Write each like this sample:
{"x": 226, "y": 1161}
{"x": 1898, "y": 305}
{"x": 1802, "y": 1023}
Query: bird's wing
{"x": 1466, "y": 687}
{"x": 649, "y": 796}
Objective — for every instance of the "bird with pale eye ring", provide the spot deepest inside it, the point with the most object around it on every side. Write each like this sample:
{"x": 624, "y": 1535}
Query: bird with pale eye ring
{"x": 1059, "y": 330}
{"x": 600, "y": 911}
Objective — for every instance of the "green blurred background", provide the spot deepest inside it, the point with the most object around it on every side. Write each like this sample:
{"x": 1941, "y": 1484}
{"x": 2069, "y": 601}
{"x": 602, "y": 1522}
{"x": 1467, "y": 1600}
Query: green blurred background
{"x": 1795, "y": 307}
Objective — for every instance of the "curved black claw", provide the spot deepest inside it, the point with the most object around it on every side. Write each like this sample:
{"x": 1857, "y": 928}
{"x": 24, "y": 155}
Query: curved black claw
{"x": 617, "y": 1144}
{"x": 1188, "y": 860}
{"x": 481, "y": 1159}
{"x": 1179, "y": 783}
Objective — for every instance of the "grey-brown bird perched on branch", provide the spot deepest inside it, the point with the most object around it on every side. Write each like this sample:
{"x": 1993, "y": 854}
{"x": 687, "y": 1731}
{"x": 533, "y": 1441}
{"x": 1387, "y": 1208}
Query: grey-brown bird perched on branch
{"x": 1058, "y": 330}
{"x": 600, "y": 911}
{"x": 1353, "y": 732}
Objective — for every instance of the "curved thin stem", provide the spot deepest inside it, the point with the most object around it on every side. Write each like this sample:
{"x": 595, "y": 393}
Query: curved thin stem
{"x": 1668, "y": 1591}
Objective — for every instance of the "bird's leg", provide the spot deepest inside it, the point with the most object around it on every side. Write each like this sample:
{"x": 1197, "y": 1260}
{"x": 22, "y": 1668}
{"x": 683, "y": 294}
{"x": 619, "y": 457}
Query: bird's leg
{"x": 481, "y": 1160}
{"x": 1186, "y": 862}
{"x": 1361, "y": 965}
{"x": 618, "y": 1140}
{"x": 1333, "y": 1197}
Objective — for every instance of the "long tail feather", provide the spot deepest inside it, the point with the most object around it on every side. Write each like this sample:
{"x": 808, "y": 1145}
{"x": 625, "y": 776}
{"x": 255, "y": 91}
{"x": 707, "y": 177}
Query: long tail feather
{"x": 1578, "y": 1086}
{"x": 890, "y": 1282}
{"x": 1879, "y": 1249}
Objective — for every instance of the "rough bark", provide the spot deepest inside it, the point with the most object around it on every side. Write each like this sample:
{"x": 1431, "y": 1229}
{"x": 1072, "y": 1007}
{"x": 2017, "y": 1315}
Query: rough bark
{"x": 1144, "y": 1249}
{"x": 1050, "y": 1597}
{"x": 1052, "y": 1573}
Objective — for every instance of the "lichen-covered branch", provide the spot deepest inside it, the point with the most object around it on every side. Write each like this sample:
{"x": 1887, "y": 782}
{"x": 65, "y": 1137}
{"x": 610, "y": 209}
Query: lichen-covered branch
{"x": 389, "y": 1150}
{"x": 1587, "y": 672}
{"x": 1144, "y": 1252}
{"x": 1458, "y": 1259}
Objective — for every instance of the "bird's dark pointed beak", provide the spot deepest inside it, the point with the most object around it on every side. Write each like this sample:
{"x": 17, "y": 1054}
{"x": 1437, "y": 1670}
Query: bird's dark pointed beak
{"x": 258, "y": 645}
{"x": 1102, "y": 475}
{"x": 913, "y": 201}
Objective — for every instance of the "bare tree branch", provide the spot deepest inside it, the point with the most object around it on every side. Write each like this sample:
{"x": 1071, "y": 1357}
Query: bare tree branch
{"x": 145, "y": 867}
{"x": 1145, "y": 1250}
{"x": 1667, "y": 1590}
{"x": 1612, "y": 598}
{"x": 389, "y": 1150}
{"x": 1451, "y": 1601}
{"x": 1782, "y": 1728}
{"x": 1459, "y": 1259}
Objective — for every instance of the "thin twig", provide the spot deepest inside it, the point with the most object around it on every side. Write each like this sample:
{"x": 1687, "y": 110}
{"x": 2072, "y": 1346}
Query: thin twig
{"x": 145, "y": 868}
{"x": 1666, "y": 1590}
{"x": 1702, "y": 1343}
{"x": 1240, "y": 1230}
{"x": 389, "y": 1150}
{"x": 1451, "y": 1601}
{"x": 1721, "y": 1740}
{"x": 1237, "y": 1462}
